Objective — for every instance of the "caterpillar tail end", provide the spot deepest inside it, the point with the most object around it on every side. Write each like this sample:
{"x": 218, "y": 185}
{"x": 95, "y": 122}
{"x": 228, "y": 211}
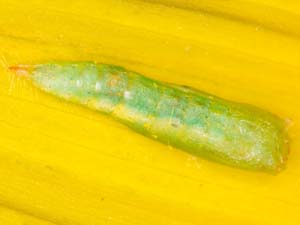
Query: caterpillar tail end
{"x": 21, "y": 70}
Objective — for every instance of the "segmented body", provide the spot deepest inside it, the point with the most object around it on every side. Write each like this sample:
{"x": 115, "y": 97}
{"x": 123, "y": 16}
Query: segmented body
{"x": 234, "y": 134}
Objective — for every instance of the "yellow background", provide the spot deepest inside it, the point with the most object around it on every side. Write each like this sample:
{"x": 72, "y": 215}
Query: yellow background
{"x": 64, "y": 164}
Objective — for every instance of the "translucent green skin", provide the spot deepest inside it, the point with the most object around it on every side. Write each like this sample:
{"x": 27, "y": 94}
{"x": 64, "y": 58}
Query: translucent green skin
{"x": 230, "y": 133}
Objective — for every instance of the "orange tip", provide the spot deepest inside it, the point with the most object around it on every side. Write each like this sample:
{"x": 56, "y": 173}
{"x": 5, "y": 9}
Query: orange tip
{"x": 20, "y": 70}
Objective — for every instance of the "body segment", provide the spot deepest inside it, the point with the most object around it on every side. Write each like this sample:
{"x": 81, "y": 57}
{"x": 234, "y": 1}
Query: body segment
{"x": 231, "y": 133}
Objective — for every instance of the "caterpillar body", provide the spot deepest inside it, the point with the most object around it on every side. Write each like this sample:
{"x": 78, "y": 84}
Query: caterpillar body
{"x": 235, "y": 134}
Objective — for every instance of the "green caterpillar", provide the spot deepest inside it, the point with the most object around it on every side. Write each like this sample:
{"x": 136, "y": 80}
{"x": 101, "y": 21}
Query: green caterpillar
{"x": 235, "y": 134}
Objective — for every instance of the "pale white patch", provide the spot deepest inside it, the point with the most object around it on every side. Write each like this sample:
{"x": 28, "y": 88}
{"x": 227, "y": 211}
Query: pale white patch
{"x": 98, "y": 86}
{"x": 127, "y": 95}
{"x": 241, "y": 129}
{"x": 78, "y": 83}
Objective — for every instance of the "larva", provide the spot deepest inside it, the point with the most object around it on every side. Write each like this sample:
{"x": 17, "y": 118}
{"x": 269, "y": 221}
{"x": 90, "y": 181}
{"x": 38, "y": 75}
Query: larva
{"x": 231, "y": 133}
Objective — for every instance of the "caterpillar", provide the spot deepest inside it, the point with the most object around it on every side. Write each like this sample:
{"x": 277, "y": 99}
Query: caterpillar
{"x": 202, "y": 124}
